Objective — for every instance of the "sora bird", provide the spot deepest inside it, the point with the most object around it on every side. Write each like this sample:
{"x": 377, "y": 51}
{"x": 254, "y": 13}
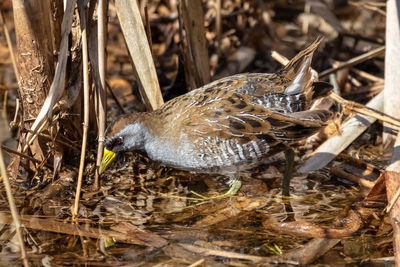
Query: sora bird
{"x": 228, "y": 126}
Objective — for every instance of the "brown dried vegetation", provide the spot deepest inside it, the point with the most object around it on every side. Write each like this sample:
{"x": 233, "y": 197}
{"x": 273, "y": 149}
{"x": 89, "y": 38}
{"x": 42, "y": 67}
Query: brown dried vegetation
{"x": 144, "y": 213}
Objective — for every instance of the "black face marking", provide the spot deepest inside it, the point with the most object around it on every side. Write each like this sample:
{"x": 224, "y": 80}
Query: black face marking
{"x": 113, "y": 142}
{"x": 227, "y": 110}
{"x": 236, "y": 125}
{"x": 107, "y": 144}
{"x": 253, "y": 123}
{"x": 241, "y": 105}
{"x": 217, "y": 114}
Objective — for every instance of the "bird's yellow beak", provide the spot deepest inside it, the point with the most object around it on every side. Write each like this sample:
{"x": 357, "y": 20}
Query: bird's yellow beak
{"x": 108, "y": 157}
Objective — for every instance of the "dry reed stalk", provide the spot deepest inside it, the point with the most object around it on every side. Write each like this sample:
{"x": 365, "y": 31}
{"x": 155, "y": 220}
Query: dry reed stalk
{"x": 196, "y": 61}
{"x": 354, "y": 61}
{"x": 101, "y": 85}
{"x": 391, "y": 106}
{"x": 4, "y": 134}
{"x": 138, "y": 46}
{"x": 82, "y": 15}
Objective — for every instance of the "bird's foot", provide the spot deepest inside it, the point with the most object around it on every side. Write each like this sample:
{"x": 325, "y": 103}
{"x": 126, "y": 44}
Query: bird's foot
{"x": 235, "y": 186}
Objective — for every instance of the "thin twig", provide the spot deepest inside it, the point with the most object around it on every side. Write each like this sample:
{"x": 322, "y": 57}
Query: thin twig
{"x": 14, "y": 123}
{"x": 354, "y": 61}
{"x": 200, "y": 262}
{"x": 82, "y": 15}
{"x": 13, "y": 208}
{"x": 61, "y": 227}
{"x": 12, "y": 55}
{"x": 101, "y": 101}
{"x": 367, "y": 75}
{"x": 4, "y": 111}
{"x": 111, "y": 91}
{"x": 351, "y": 177}
{"x": 9, "y": 150}
{"x": 218, "y": 25}
{"x": 370, "y": 6}
{"x": 235, "y": 255}
{"x": 362, "y": 109}
{"x": 9, "y": 44}
{"x": 280, "y": 58}
{"x": 33, "y": 133}
{"x": 70, "y": 145}
{"x": 333, "y": 80}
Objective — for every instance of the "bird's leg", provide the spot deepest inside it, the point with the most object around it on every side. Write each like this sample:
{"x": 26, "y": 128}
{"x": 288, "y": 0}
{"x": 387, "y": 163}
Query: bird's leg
{"x": 289, "y": 155}
{"x": 235, "y": 184}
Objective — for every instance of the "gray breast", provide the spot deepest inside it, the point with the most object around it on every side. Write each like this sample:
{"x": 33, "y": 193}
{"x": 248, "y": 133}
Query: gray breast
{"x": 182, "y": 156}
{"x": 207, "y": 155}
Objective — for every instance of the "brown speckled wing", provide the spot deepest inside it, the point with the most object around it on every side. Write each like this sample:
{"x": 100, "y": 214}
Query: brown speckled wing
{"x": 252, "y": 84}
{"x": 227, "y": 128}
{"x": 263, "y": 89}
{"x": 235, "y": 115}
{"x": 289, "y": 90}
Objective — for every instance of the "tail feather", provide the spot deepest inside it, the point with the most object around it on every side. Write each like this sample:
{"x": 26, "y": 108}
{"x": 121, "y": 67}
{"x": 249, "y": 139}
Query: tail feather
{"x": 298, "y": 70}
{"x": 296, "y": 62}
{"x": 316, "y": 115}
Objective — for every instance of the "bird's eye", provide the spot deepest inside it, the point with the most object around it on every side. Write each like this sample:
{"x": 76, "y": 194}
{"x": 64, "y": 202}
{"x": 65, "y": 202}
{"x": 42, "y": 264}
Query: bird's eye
{"x": 119, "y": 140}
